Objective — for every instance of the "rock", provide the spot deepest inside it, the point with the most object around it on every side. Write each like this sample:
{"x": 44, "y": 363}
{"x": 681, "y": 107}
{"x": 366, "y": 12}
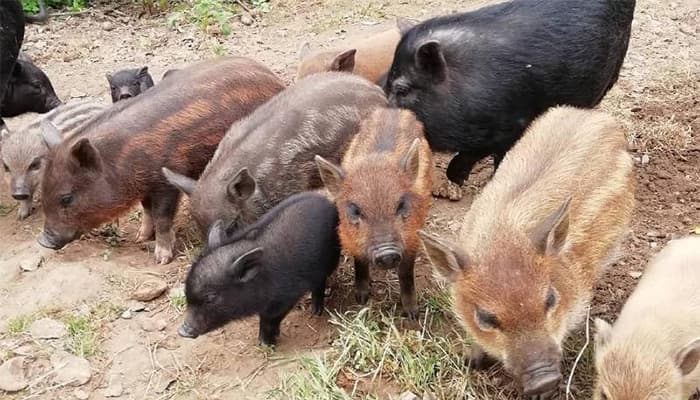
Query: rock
{"x": 107, "y": 26}
{"x": 408, "y": 396}
{"x": 12, "y": 377}
{"x": 635, "y": 274}
{"x": 136, "y": 306}
{"x": 126, "y": 314}
{"x": 153, "y": 324}
{"x": 653, "y": 245}
{"x": 656, "y": 234}
{"x": 246, "y": 19}
{"x": 47, "y": 328}
{"x": 163, "y": 384}
{"x": 115, "y": 388}
{"x": 81, "y": 394}
{"x": 645, "y": 159}
{"x": 31, "y": 262}
{"x": 149, "y": 290}
{"x": 70, "y": 370}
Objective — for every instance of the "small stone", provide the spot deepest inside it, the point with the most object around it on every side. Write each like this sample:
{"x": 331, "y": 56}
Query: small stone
{"x": 149, "y": 290}
{"x": 115, "y": 388}
{"x": 636, "y": 109}
{"x": 81, "y": 394}
{"x": 70, "y": 369}
{"x": 408, "y": 396}
{"x": 136, "y": 306}
{"x": 153, "y": 324}
{"x": 246, "y": 19}
{"x": 656, "y": 234}
{"x": 635, "y": 274}
{"x": 429, "y": 396}
{"x": 163, "y": 384}
{"x": 653, "y": 245}
{"x": 47, "y": 328}
{"x": 31, "y": 263}
{"x": 107, "y": 26}
{"x": 126, "y": 314}
{"x": 12, "y": 377}
{"x": 645, "y": 159}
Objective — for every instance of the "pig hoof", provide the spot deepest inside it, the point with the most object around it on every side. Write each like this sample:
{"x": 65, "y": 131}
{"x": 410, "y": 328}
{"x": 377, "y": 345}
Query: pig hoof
{"x": 477, "y": 359}
{"x": 362, "y": 296}
{"x": 163, "y": 256}
{"x": 448, "y": 190}
{"x": 144, "y": 234}
{"x": 317, "y": 310}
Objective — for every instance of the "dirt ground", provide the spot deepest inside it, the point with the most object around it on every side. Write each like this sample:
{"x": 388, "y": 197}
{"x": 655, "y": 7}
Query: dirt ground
{"x": 657, "y": 98}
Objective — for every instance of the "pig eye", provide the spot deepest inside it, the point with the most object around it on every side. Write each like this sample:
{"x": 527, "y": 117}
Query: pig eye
{"x": 134, "y": 84}
{"x": 35, "y": 165}
{"x": 7, "y": 169}
{"x": 354, "y": 213}
{"x": 66, "y": 200}
{"x": 113, "y": 88}
{"x": 403, "y": 207}
{"x": 551, "y": 299}
{"x": 486, "y": 320}
{"x": 401, "y": 90}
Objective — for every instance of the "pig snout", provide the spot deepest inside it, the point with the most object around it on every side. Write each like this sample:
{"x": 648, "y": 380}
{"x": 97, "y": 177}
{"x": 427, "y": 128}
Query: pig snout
{"x": 52, "y": 102}
{"x": 386, "y": 254}
{"x": 541, "y": 380}
{"x": 21, "y": 190}
{"x": 186, "y": 331}
{"x": 50, "y": 240}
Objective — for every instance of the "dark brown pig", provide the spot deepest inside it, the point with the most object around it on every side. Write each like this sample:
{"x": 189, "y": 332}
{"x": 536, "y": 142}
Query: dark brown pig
{"x": 269, "y": 155}
{"x": 536, "y": 239}
{"x": 116, "y": 159}
{"x": 382, "y": 193}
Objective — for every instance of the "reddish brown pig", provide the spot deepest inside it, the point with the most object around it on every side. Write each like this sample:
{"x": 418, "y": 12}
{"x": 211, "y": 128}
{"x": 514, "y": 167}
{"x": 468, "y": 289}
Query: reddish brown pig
{"x": 536, "y": 239}
{"x": 116, "y": 159}
{"x": 370, "y": 57}
{"x": 382, "y": 193}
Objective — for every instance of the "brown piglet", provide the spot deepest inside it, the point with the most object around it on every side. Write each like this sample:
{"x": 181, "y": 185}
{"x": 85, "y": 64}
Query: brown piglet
{"x": 382, "y": 192}
{"x": 536, "y": 239}
{"x": 370, "y": 57}
{"x": 115, "y": 160}
{"x": 652, "y": 351}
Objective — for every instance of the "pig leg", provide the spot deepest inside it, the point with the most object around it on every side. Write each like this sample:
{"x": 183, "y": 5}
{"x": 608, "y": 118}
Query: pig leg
{"x": 477, "y": 358}
{"x": 270, "y": 324}
{"x": 25, "y": 209}
{"x": 317, "y": 298}
{"x": 164, "y": 206}
{"x": 408, "y": 288}
{"x": 146, "y": 230}
{"x": 361, "y": 281}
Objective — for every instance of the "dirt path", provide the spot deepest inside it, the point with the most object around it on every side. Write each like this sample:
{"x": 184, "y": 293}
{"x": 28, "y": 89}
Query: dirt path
{"x": 88, "y": 284}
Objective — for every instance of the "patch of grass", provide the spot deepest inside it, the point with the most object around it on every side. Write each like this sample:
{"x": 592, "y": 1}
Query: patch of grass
{"x": 6, "y": 209}
{"x": 32, "y": 6}
{"x": 371, "y": 349}
{"x": 370, "y": 11}
{"x": 18, "y": 326}
{"x": 179, "y": 302}
{"x": 111, "y": 233}
{"x": 83, "y": 338}
{"x": 205, "y": 14}
{"x": 135, "y": 216}
{"x": 218, "y": 49}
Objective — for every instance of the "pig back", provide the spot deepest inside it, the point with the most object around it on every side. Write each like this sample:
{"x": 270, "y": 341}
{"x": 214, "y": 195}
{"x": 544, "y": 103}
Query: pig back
{"x": 278, "y": 142}
{"x": 179, "y": 122}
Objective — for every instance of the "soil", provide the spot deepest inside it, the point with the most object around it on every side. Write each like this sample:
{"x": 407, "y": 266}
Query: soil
{"x": 657, "y": 98}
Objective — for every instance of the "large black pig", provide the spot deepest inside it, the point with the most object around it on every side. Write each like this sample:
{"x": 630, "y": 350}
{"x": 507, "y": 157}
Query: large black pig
{"x": 476, "y": 80}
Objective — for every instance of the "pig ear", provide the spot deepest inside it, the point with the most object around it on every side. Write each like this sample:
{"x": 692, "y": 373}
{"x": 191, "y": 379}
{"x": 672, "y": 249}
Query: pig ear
{"x": 304, "y": 50}
{"x": 216, "y": 234}
{"x": 549, "y": 237}
{"x": 143, "y": 71}
{"x": 17, "y": 70}
{"x": 109, "y": 77}
{"x": 242, "y": 185}
{"x": 86, "y": 154}
{"x": 344, "y": 62}
{"x": 688, "y": 357}
{"x": 331, "y": 175}
{"x": 405, "y": 24}
{"x": 448, "y": 261}
{"x": 182, "y": 182}
{"x": 247, "y": 266}
{"x": 411, "y": 160}
{"x": 431, "y": 61}
{"x": 603, "y": 332}
{"x": 52, "y": 136}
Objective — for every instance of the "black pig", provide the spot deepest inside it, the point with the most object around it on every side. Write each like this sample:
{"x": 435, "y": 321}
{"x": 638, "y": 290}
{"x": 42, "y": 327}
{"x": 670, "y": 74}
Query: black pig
{"x": 476, "y": 80}
{"x": 129, "y": 83}
{"x": 265, "y": 268}
{"x": 29, "y": 90}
